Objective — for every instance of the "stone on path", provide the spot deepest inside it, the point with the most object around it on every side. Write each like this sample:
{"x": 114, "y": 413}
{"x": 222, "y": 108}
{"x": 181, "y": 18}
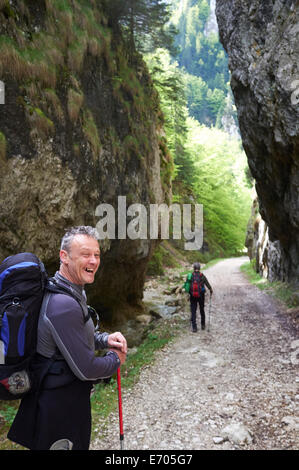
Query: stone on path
{"x": 237, "y": 433}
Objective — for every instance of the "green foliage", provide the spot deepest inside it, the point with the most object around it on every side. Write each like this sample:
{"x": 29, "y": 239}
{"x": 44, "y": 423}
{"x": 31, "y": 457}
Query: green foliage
{"x": 210, "y": 166}
{"x": 143, "y": 22}
{"x": 48, "y": 65}
{"x": 203, "y": 60}
{"x": 8, "y": 412}
{"x": 161, "y": 258}
{"x": 169, "y": 82}
{"x": 50, "y": 56}
{"x": 207, "y": 161}
{"x": 91, "y": 132}
{"x": 221, "y": 186}
{"x": 2, "y": 146}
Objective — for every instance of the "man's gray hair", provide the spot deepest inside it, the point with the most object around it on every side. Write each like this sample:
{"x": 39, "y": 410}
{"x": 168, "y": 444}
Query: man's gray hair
{"x": 80, "y": 230}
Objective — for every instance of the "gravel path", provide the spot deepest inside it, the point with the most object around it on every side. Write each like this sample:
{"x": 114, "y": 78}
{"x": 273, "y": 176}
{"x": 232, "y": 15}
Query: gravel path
{"x": 232, "y": 387}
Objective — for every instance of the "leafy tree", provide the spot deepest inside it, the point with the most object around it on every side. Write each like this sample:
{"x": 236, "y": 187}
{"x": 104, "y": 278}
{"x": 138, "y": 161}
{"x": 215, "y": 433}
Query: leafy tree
{"x": 144, "y": 22}
{"x": 203, "y": 59}
{"x": 221, "y": 185}
{"x": 210, "y": 165}
{"x": 216, "y": 101}
{"x": 168, "y": 80}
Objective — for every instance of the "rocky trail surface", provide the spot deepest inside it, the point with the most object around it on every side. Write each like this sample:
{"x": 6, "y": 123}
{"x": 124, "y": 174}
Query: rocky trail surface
{"x": 232, "y": 387}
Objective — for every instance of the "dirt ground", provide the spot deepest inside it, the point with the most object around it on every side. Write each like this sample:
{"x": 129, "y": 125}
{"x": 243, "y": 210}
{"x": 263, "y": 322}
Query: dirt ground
{"x": 232, "y": 387}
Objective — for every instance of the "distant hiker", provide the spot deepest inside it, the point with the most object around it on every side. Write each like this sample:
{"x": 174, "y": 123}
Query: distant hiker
{"x": 65, "y": 364}
{"x": 195, "y": 286}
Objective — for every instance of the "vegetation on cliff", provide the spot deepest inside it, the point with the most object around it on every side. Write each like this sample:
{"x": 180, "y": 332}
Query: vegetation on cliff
{"x": 45, "y": 47}
{"x": 81, "y": 125}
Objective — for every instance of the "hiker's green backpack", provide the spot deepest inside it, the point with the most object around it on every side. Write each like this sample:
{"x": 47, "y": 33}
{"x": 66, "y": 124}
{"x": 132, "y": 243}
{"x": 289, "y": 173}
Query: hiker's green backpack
{"x": 187, "y": 284}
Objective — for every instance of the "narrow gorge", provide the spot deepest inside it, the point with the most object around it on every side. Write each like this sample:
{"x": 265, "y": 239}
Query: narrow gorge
{"x": 124, "y": 105}
{"x": 82, "y": 124}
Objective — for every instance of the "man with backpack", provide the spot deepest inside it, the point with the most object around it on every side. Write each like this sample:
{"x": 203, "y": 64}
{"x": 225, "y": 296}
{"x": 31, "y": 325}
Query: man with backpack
{"x": 65, "y": 366}
{"x": 195, "y": 286}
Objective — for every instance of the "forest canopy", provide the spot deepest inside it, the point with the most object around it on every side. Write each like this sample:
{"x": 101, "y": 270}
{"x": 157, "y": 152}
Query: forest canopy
{"x": 201, "y": 127}
{"x": 221, "y": 185}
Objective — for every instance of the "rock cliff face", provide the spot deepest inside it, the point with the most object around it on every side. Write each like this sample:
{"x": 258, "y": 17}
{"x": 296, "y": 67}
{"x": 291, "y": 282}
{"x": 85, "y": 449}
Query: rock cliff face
{"x": 262, "y": 41}
{"x": 80, "y": 126}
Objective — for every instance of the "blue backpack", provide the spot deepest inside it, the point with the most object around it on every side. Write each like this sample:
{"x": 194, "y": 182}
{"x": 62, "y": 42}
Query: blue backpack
{"x": 22, "y": 283}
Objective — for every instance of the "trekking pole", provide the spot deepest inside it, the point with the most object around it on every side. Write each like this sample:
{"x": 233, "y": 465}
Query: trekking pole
{"x": 120, "y": 411}
{"x": 209, "y": 313}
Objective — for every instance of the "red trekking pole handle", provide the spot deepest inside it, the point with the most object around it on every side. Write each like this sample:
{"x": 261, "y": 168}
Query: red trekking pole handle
{"x": 120, "y": 411}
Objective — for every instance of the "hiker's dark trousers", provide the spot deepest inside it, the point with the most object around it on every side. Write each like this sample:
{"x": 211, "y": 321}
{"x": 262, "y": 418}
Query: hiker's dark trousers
{"x": 193, "y": 305}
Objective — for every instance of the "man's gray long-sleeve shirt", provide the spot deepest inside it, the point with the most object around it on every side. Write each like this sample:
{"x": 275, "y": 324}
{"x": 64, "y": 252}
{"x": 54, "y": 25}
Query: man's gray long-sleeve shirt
{"x": 62, "y": 325}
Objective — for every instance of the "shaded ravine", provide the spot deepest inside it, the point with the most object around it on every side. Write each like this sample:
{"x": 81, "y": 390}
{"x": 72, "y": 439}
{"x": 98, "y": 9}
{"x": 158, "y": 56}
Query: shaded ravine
{"x": 234, "y": 386}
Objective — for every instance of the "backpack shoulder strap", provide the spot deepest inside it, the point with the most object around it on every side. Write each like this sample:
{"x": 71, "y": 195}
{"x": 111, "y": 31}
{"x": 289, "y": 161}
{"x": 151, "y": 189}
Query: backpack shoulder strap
{"x": 53, "y": 287}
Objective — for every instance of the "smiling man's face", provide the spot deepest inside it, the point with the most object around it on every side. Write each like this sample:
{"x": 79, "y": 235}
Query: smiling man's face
{"x": 80, "y": 264}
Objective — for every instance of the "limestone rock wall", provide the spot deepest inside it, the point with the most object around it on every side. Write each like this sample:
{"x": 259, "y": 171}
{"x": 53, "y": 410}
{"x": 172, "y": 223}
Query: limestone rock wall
{"x": 81, "y": 125}
{"x": 267, "y": 255}
{"x": 261, "y": 38}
